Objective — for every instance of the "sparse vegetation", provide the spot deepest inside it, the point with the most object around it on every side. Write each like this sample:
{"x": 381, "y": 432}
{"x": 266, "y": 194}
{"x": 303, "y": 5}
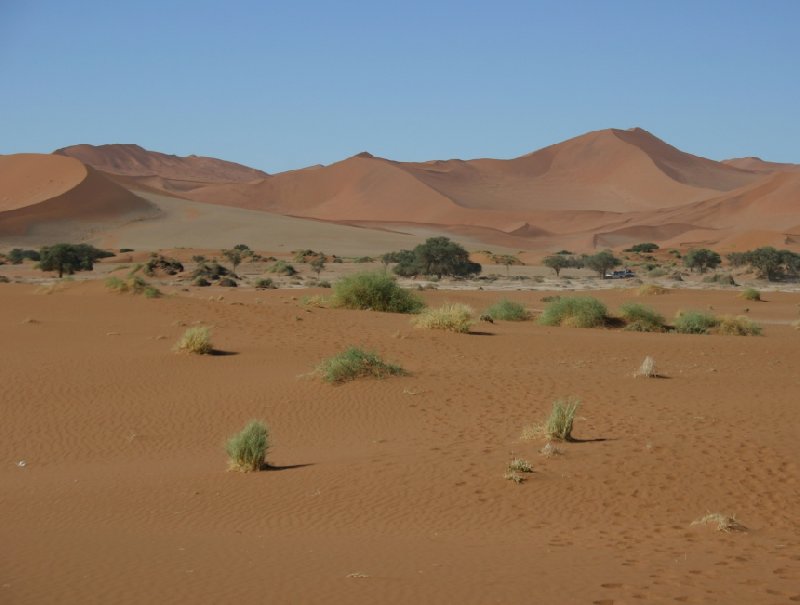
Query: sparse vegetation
{"x": 455, "y": 317}
{"x": 247, "y": 450}
{"x": 69, "y": 258}
{"x": 356, "y": 363}
{"x": 513, "y": 476}
{"x": 575, "y": 312}
{"x": 768, "y": 262}
{"x": 160, "y": 264}
{"x": 695, "y": 322}
{"x": 701, "y": 259}
{"x": 507, "y": 310}
{"x": 17, "y": 255}
{"x": 640, "y": 318}
{"x": 438, "y": 256}
{"x": 644, "y": 247}
{"x": 724, "y": 523}
{"x": 376, "y": 291}
{"x": 750, "y": 294}
{"x": 228, "y": 282}
{"x": 737, "y": 326}
{"x": 195, "y": 340}
{"x": 134, "y": 284}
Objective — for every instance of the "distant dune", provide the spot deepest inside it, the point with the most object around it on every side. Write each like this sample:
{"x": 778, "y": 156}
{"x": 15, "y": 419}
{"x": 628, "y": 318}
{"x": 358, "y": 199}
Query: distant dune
{"x": 604, "y": 188}
{"x": 61, "y": 196}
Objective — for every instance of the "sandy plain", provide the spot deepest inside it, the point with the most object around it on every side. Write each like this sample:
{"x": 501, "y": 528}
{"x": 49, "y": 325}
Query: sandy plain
{"x": 113, "y": 483}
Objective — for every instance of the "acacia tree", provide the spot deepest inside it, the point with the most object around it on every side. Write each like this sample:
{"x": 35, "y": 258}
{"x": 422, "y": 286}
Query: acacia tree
{"x": 602, "y": 262}
{"x": 507, "y": 260}
{"x": 317, "y": 265}
{"x": 68, "y": 258}
{"x": 557, "y": 262}
{"x": 769, "y": 262}
{"x": 237, "y": 254}
{"x": 701, "y": 259}
{"x": 437, "y": 256}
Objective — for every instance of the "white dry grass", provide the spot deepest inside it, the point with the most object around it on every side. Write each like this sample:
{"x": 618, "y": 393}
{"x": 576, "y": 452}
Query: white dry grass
{"x": 724, "y": 523}
{"x": 647, "y": 369}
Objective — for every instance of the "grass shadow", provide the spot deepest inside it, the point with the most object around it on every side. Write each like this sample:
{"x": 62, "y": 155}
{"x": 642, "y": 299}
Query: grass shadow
{"x": 283, "y": 467}
{"x": 221, "y": 353}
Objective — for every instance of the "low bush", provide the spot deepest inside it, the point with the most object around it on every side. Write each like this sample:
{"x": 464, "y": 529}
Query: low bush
{"x": 161, "y": 264}
{"x": 265, "y": 283}
{"x": 507, "y": 310}
{"x": 247, "y": 450}
{"x": 575, "y": 312}
{"x": 282, "y": 268}
{"x": 737, "y": 326}
{"x": 695, "y": 322}
{"x": 201, "y": 282}
{"x": 195, "y": 340}
{"x": 723, "y": 279}
{"x": 210, "y": 271}
{"x": 640, "y": 318}
{"x": 376, "y": 291}
{"x": 750, "y": 294}
{"x": 356, "y": 363}
{"x": 228, "y": 282}
{"x": 455, "y": 317}
{"x": 134, "y": 284}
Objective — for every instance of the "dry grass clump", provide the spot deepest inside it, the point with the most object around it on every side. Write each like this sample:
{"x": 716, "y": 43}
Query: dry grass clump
{"x": 519, "y": 465}
{"x": 550, "y": 449}
{"x": 247, "y": 449}
{"x": 514, "y": 476}
{"x": 796, "y": 324}
{"x": 724, "y": 522}
{"x": 356, "y": 363}
{"x": 455, "y": 317}
{"x": 195, "y": 340}
{"x": 375, "y": 291}
{"x": 558, "y": 425}
{"x": 750, "y": 294}
{"x": 651, "y": 290}
{"x": 647, "y": 369}
{"x": 737, "y": 326}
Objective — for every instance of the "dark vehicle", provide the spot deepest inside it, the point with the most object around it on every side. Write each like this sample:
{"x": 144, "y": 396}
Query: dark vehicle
{"x": 624, "y": 274}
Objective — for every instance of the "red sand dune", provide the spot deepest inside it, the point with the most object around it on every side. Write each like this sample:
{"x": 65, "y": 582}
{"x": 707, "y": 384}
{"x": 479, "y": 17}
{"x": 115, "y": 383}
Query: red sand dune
{"x": 605, "y": 188}
{"x": 45, "y": 191}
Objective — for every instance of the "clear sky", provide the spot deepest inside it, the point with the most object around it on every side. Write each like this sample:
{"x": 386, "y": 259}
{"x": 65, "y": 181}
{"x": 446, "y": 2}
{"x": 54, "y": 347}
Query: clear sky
{"x": 282, "y": 85}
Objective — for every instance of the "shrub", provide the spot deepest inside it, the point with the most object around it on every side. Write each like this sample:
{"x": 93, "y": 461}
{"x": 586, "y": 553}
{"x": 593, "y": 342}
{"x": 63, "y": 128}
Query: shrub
{"x": 575, "y": 312}
{"x": 737, "y": 326}
{"x": 167, "y": 266}
{"x": 265, "y": 283}
{"x": 376, "y": 291}
{"x": 701, "y": 259}
{"x": 559, "y": 424}
{"x": 438, "y": 256}
{"x": 640, "y": 318}
{"x": 212, "y": 270}
{"x": 247, "y": 450}
{"x": 695, "y": 322}
{"x": 513, "y": 476}
{"x": 724, "y": 279}
{"x": 201, "y": 282}
{"x": 724, "y": 523}
{"x": 282, "y": 268}
{"x": 68, "y": 258}
{"x": 519, "y": 465}
{"x": 356, "y": 363}
{"x": 151, "y": 292}
{"x": 17, "y": 255}
{"x": 651, "y": 289}
{"x": 751, "y": 294}
{"x": 228, "y": 282}
{"x": 644, "y": 247}
{"x": 507, "y": 310}
{"x": 195, "y": 340}
{"x": 134, "y": 284}
{"x": 455, "y": 317}
{"x": 657, "y": 272}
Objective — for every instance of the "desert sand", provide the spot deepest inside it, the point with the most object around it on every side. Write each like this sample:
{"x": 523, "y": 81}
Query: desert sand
{"x": 114, "y": 487}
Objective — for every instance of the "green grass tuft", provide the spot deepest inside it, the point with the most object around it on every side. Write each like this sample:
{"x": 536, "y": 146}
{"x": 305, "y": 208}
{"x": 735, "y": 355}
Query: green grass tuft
{"x": 751, "y": 294}
{"x": 559, "y": 424}
{"x": 640, "y": 318}
{"x": 247, "y": 450}
{"x": 376, "y": 291}
{"x": 507, "y": 310}
{"x": 575, "y": 312}
{"x": 695, "y": 322}
{"x": 356, "y": 363}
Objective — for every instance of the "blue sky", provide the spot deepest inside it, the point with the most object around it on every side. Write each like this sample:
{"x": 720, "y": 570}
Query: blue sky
{"x": 282, "y": 85}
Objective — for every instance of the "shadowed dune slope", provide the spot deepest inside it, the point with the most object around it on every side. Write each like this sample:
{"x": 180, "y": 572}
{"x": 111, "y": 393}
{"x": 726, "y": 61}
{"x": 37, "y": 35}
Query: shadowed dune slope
{"x": 47, "y": 193}
{"x": 133, "y": 160}
{"x": 755, "y": 164}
